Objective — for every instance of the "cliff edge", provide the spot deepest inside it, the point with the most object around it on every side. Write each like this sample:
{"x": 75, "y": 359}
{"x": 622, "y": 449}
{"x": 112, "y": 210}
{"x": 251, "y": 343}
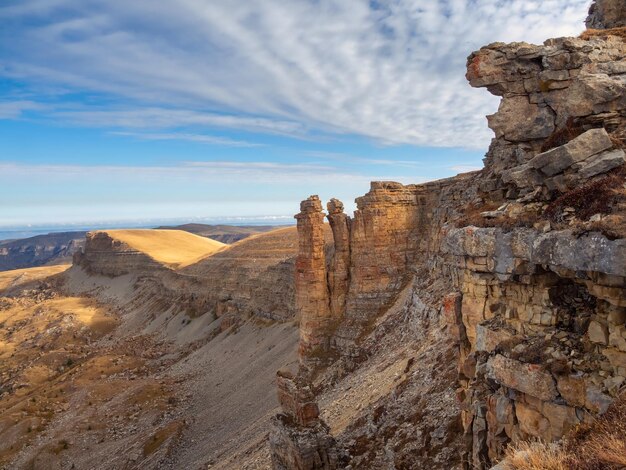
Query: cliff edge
{"x": 456, "y": 318}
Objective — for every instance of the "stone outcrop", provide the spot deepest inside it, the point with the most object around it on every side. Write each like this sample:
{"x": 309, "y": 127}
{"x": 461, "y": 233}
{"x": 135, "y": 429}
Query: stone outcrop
{"x": 312, "y": 294}
{"x": 534, "y": 312}
{"x": 604, "y": 14}
{"x": 339, "y": 272}
{"x": 105, "y": 255}
{"x": 299, "y": 438}
{"x": 566, "y": 85}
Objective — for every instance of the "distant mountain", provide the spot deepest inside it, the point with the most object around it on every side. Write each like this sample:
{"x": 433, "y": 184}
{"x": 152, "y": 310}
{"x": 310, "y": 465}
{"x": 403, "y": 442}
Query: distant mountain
{"x": 222, "y": 233}
{"x": 58, "y": 248}
{"x": 52, "y": 248}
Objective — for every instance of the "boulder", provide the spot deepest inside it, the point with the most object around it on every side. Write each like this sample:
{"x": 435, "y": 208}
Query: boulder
{"x": 582, "y": 147}
{"x": 527, "y": 378}
{"x": 602, "y": 162}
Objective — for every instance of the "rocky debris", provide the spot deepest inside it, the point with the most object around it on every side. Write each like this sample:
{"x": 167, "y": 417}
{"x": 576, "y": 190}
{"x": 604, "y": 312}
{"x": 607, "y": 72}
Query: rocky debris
{"x": 604, "y": 14}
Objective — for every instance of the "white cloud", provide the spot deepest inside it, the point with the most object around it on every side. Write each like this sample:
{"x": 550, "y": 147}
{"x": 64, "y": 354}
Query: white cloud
{"x": 201, "y": 138}
{"x": 389, "y": 70}
{"x": 14, "y": 109}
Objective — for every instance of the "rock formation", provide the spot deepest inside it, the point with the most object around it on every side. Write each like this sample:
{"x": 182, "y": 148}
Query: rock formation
{"x": 521, "y": 266}
{"x": 300, "y": 438}
{"x": 312, "y": 295}
{"x": 604, "y": 14}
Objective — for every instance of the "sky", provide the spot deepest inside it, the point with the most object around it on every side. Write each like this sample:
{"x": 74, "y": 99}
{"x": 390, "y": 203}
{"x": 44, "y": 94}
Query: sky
{"x": 127, "y": 110}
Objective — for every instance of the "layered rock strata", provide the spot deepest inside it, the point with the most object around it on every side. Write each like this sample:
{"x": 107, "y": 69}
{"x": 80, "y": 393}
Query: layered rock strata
{"x": 300, "y": 439}
{"x": 536, "y": 309}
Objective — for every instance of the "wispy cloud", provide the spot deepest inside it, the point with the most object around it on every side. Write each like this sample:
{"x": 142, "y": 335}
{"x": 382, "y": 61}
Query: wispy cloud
{"x": 201, "y": 138}
{"x": 390, "y": 71}
{"x": 15, "y": 109}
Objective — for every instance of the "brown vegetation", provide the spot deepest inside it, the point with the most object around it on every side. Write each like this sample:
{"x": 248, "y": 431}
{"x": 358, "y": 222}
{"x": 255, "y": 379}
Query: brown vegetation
{"x": 599, "y": 445}
{"x": 596, "y": 197}
{"x": 604, "y": 33}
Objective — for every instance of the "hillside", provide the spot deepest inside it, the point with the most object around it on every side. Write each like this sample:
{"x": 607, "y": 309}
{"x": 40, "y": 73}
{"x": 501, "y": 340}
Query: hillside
{"x": 174, "y": 248}
{"x": 222, "y": 233}
{"x": 53, "y": 248}
{"x": 476, "y": 322}
{"x": 150, "y": 358}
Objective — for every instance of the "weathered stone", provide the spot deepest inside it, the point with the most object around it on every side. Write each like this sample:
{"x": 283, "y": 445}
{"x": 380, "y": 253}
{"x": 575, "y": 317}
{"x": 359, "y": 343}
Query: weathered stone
{"x": 602, "y": 163}
{"x": 582, "y": 147}
{"x": 312, "y": 296}
{"x": 598, "y": 333}
{"x": 528, "y": 378}
{"x": 339, "y": 274}
{"x": 617, "y": 337}
{"x": 604, "y": 14}
{"x": 595, "y": 400}
{"x": 573, "y": 389}
{"x": 519, "y": 120}
{"x": 561, "y": 418}
{"x": 531, "y": 422}
{"x": 616, "y": 357}
{"x": 487, "y": 339}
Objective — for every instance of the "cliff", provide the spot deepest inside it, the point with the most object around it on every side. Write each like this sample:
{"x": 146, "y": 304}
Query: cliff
{"x": 468, "y": 314}
{"x": 53, "y": 248}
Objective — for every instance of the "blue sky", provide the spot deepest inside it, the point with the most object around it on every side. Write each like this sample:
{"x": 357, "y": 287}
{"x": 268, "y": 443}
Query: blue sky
{"x": 205, "y": 108}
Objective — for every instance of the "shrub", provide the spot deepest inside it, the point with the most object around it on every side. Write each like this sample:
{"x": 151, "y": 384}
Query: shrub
{"x": 595, "y": 197}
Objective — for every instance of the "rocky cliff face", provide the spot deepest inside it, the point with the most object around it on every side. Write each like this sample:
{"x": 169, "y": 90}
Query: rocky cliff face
{"x": 53, "y": 248}
{"x": 515, "y": 275}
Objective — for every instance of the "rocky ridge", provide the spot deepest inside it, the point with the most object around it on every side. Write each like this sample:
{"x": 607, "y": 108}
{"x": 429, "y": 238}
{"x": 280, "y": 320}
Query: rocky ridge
{"x": 516, "y": 273}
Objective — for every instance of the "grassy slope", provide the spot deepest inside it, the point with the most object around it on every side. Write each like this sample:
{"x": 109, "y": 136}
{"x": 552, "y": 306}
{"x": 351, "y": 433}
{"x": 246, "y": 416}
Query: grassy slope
{"x": 172, "y": 247}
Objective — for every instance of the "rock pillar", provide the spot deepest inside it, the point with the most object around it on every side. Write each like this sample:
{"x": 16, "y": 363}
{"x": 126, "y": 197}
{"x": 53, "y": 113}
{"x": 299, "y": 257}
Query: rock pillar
{"x": 339, "y": 273}
{"x": 312, "y": 295}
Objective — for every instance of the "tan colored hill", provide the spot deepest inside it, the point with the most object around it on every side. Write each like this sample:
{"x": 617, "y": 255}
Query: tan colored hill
{"x": 222, "y": 233}
{"x": 174, "y": 248}
{"x": 19, "y": 277}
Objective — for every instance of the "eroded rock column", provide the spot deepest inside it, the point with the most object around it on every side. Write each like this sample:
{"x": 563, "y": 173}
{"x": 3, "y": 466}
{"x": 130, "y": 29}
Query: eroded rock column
{"x": 299, "y": 438}
{"x": 312, "y": 295}
{"x": 339, "y": 273}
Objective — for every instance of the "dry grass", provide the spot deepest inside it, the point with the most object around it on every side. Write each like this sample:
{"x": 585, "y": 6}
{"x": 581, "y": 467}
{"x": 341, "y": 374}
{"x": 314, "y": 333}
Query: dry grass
{"x": 600, "y": 445}
{"x": 604, "y": 33}
{"x": 596, "y": 197}
{"x": 172, "y": 247}
{"x": 536, "y": 456}
{"x": 18, "y": 277}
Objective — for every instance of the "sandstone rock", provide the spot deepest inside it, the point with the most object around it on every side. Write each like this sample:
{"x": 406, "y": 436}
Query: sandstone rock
{"x": 598, "y": 333}
{"x": 602, "y": 163}
{"x": 531, "y": 422}
{"x": 312, "y": 295}
{"x": 573, "y": 389}
{"x": 617, "y": 337}
{"x": 528, "y": 378}
{"x": 562, "y": 420}
{"x": 604, "y": 14}
{"x": 487, "y": 339}
{"x": 582, "y": 147}
{"x": 595, "y": 400}
{"x": 339, "y": 275}
{"x": 616, "y": 358}
{"x": 518, "y": 120}
{"x": 302, "y": 448}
